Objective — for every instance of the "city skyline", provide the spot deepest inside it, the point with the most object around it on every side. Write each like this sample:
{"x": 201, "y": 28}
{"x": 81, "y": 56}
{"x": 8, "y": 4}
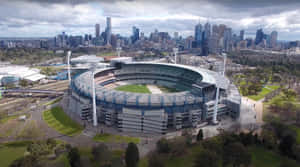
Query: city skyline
{"x": 42, "y": 18}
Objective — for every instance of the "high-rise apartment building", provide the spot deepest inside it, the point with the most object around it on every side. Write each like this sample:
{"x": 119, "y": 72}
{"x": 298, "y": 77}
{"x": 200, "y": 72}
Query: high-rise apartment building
{"x": 97, "y": 30}
{"x": 198, "y": 35}
{"x": 108, "y": 30}
{"x": 273, "y": 39}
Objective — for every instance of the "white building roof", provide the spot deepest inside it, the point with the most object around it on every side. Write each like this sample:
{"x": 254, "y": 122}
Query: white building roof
{"x": 87, "y": 59}
{"x": 22, "y": 72}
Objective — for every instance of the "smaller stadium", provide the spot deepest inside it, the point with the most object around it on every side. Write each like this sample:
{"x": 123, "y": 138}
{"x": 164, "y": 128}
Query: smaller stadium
{"x": 156, "y": 98}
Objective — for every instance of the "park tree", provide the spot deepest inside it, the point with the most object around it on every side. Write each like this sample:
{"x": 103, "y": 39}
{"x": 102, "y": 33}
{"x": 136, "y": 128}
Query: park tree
{"x": 101, "y": 154}
{"x": 286, "y": 145}
{"x": 26, "y": 161}
{"x": 207, "y": 158}
{"x": 200, "y": 135}
{"x": 163, "y": 146}
{"x": 155, "y": 160}
{"x": 236, "y": 154}
{"x": 132, "y": 155}
{"x": 74, "y": 157}
{"x": 298, "y": 116}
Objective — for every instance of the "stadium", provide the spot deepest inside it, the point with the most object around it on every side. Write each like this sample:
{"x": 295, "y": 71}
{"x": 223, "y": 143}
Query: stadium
{"x": 182, "y": 96}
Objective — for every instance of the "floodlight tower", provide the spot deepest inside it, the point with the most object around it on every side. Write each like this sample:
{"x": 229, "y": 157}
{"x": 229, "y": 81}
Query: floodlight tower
{"x": 215, "y": 121}
{"x": 175, "y": 50}
{"x": 95, "y": 120}
{"x": 119, "y": 49}
{"x": 69, "y": 68}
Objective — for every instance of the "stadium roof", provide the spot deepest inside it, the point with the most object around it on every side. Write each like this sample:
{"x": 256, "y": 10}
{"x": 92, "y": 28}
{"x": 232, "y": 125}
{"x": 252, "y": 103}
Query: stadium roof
{"x": 87, "y": 59}
{"x": 208, "y": 76}
{"x": 22, "y": 72}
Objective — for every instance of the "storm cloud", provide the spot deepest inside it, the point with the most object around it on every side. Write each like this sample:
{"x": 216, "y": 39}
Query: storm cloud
{"x": 46, "y": 18}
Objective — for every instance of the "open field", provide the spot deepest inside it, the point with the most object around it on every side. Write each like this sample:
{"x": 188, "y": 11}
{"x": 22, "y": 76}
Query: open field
{"x": 264, "y": 92}
{"x": 11, "y": 151}
{"x": 60, "y": 121}
{"x": 261, "y": 157}
{"x": 109, "y": 138}
{"x": 134, "y": 88}
{"x": 264, "y": 158}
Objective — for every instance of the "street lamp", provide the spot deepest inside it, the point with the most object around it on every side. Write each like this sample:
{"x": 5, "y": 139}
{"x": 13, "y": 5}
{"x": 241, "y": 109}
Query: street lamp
{"x": 69, "y": 68}
{"x": 119, "y": 49}
{"x": 215, "y": 121}
{"x": 175, "y": 50}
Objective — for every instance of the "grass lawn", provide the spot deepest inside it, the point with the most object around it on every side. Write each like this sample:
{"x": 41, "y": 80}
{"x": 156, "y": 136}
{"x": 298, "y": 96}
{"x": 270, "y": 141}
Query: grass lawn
{"x": 264, "y": 92}
{"x": 107, "y": 54}
{"x": 265, "y": 158}
{"x": 57, "y": 119}
{"x": 6, "y": 119}
{"x": 109, "y": 138}
{"x": 134, "y": 88}
{"x": 11, "y": 151}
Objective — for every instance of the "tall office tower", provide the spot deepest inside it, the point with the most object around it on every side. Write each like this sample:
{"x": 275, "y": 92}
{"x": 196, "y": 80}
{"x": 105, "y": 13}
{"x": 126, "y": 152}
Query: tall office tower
{"x": 273, "y": 39}
{"x": 108, "y": 30}
{"x": 198, "y": 35}
{"x": 207, "y": 31}
{"x": 142, "y": 36}
{"x": 176, "y": 35}
{"x": 221, "y": 28}
{"x": 135, "y": 34}
{"x": 242, "y": 32}
{"x": 205, "y": 41}
{"x": 227, "y": 39}
{"x": 259, "y": 36}
{"x": 213, "y": 40}
{"x": 97, "y": 30}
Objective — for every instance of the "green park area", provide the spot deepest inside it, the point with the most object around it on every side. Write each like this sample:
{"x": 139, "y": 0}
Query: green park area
{"x": 11, "y": 151}
{"x": 57, "y": 119}
{"x": 265, "y": 90}
{"x": 260, "y": 157}
{"x": 134, "y": 88}
{"x": 105, "y": 54}
{"x": 109, "y": 138}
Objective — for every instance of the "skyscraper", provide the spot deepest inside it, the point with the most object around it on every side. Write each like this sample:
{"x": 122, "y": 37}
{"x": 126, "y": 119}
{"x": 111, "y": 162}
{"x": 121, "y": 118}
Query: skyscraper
{"x": 273, "y": 39}
{"x": 227, "y": 39}
{"x": 97, "y": 30}
{"x": 242, "y": 32}
{"x": 108, "y": 30}
{"x": 135, "y": 34}
{"x": 207, "y": 31}
{"x": 205, "y": 40}
{"x": 176, "y": 35}
{"x": 198, "y": 34}
{"x": 259, "y": 36}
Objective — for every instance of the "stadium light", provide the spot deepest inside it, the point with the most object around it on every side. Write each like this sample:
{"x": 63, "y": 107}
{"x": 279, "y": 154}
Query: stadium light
{"x": 215, "y": 121}
{"x": 119, "y": 49}
{"x": 95, "y": 121}
{"x": 175, "y": 50}
{"x": 69, "y": 68}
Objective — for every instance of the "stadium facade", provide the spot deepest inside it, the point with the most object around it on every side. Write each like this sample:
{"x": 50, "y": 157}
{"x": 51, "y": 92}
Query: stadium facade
{"x": 192, "y": 103}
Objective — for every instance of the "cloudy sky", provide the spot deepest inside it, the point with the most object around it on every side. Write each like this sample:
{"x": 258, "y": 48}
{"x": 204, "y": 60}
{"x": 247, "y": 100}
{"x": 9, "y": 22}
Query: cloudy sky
{"x": 47, "y": 18}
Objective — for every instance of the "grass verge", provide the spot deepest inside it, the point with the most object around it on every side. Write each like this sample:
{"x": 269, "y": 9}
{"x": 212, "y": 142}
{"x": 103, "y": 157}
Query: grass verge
{"x": 109, "y": 138}
{"x": 57, "y": 119}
